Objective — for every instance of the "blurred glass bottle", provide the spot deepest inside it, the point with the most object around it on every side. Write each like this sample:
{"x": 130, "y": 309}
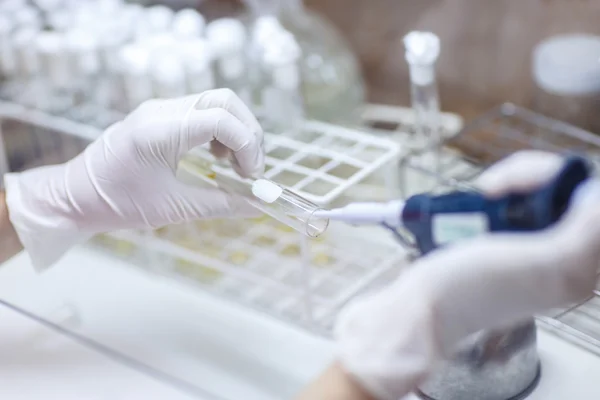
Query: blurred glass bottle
{"x": 281, "y": 96}
{"x": 332, "y": 84}
{"x": 566, "y": 71}
{"x": 228, "y": 38}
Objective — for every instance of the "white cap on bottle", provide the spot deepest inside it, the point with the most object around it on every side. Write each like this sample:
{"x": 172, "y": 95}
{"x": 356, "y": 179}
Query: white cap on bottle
{"x": 188, "y": 23}
{"x": 422, "y": 51}
{"x": 84, "y": 50}
{"x": 226, "y": 36}
{"x": 135, "y": 66}
{"x": 27, "y": 17}
{"x": 568, "y": 64}
{"x": 265, "y": 27}
{"x": 159, "y": 18}
{"x": 48, "y": 5}
{"x": 63, "y": 20}
{"x": 109, "y": 7}
{"x": 159, "y": 42}
{"x": 24, "y": 41}
{"x": 10, "y": 6}
{"x": 196, "y": 54}
{"x": 281, "y": 58}
{"x": 197, "y": 57}
{"x": 54, "y": 61}
{"x": 7, "y": 52}
{"x": 168, "y": 75}
{"x": 134, "y": 60}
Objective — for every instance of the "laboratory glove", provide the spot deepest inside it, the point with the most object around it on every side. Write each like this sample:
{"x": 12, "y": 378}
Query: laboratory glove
{"x": 390, "y": 339}
{"x": 126, "y": 178}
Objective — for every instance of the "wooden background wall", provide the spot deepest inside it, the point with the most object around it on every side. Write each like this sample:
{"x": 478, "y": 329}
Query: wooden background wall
{"x": 486, "y": 44}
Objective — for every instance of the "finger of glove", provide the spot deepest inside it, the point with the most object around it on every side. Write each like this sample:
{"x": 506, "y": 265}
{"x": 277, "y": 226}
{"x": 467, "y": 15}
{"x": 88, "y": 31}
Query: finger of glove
{"x": 220, "y": 125}
{"x": 581, "y": 224}
{"x": 219, "y": 150}
{"x": 228, "y": 100}
{"x": 521, "y": 172}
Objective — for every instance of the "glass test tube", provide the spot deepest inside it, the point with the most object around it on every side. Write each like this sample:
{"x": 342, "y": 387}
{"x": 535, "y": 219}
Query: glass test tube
{"x": 282, "y": 204}
{"x": 422, "y": 51}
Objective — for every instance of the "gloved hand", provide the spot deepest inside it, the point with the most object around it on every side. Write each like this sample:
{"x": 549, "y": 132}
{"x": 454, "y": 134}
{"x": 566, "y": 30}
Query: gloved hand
{"x": 126, "y": 178}
{"x": 391, "y": 339}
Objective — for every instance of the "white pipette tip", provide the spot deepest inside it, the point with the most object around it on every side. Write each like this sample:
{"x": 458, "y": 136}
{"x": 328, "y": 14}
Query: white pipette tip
{"x": 366, "y": 213}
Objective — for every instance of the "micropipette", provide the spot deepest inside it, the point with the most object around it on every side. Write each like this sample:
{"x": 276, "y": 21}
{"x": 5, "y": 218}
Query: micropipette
{"x": 436, "y": 220}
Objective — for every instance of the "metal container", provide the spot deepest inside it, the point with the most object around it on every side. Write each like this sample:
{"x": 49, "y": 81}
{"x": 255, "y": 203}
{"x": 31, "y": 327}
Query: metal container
{"x": 490, "y": 365}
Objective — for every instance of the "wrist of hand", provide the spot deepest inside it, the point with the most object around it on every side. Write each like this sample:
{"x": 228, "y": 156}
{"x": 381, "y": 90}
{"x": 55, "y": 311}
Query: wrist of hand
{"x": 390, "y": 354}
{"x": 9, "y": 240}
{"x": 335, "y": 384}
{"x": 42, "y": 213}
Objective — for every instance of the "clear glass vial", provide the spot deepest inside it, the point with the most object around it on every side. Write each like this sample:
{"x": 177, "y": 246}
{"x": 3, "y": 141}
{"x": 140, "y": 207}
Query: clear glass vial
{"x": 281, "y": 96}
{"x": 566, "y": 71}
{"x": 332, "y": 84}
{"x": 267, "y": 196}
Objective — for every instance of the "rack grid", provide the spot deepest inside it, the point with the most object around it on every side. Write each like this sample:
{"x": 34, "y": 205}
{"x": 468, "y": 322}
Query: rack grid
{"x": 259, "y": 263}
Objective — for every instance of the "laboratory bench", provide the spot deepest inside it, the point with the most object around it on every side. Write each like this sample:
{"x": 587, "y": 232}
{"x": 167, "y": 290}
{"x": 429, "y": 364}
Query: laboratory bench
{"x": 186, "y": 344}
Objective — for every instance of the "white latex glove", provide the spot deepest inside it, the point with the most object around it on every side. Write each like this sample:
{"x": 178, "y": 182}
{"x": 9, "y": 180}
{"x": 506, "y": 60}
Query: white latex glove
{"x": 391, "y": 339}
{"x": 126, "y": 178}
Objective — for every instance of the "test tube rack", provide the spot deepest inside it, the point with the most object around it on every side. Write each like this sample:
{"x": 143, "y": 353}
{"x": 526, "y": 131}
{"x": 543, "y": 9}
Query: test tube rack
{"x": 264, "y": 265}
{"x": 259, "y": 263}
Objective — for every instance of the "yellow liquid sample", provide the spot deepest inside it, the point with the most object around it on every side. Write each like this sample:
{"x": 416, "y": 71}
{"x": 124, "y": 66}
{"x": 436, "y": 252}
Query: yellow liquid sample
{"x": 260, "y": 220}
{"x": 322, "y": 260}
{"x": 162, "y": 232}
{"x": 292, "y": 250}
{"x": 118, "y": 246}
{"x": 239, "y": 258}
{"x": 197, "y": 272}
{"x": 264, "y": 241}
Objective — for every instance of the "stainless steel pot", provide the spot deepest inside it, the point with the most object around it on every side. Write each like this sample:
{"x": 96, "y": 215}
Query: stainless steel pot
{"x": 490, "y": 365}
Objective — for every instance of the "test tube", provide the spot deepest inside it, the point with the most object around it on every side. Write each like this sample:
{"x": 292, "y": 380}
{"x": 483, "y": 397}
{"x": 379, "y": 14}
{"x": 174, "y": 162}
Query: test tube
{"x": 422, "y": 51}
{"x": 267, "y": 196}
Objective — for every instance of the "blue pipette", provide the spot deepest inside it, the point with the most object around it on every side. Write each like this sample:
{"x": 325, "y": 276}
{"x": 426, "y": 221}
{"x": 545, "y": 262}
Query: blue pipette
{"x": 436, "y": 220}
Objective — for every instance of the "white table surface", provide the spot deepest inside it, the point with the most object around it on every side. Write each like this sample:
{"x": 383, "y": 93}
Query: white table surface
{"x": 212, "y": 344}
{"x": 209, "y": 343}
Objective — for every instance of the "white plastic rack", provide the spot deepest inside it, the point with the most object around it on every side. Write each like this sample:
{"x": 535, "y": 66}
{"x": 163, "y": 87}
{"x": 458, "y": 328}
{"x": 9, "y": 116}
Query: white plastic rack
{"x": 259, "y": 263}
